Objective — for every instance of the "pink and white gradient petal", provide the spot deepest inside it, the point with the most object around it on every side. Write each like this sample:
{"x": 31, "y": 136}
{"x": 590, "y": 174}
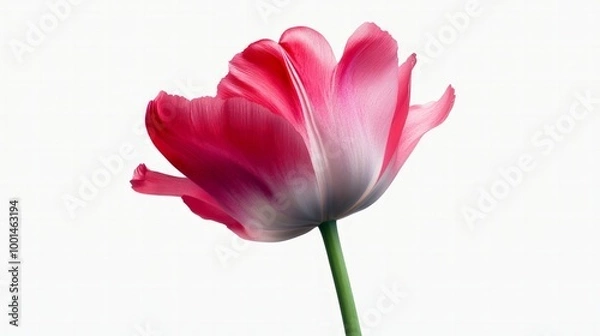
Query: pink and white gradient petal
{"x": 355, "y": 131}
{"x": 420, "y": 120}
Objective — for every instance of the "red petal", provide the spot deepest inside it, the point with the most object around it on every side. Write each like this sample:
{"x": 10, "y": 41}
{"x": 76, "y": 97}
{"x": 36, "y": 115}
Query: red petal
{"x": 292, "y": 78}
{"x": 210, "y": 212}
{"x": 146, "y": 181}
{"x": 313, "y": 64}
{"x": 260, "y": 74}
{"x": 242, "y": 155}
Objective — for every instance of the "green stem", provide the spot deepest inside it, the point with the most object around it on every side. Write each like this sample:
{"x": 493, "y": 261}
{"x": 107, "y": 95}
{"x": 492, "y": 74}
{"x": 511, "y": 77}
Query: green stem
{"x": 340, "y": 277}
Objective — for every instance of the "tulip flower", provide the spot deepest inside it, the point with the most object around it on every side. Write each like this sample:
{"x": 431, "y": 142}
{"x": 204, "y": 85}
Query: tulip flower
{"x": 293, "y": 139}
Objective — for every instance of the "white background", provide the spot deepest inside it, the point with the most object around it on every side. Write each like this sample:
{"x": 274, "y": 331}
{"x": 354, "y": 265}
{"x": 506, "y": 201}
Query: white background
{"x": 126, "y": 264}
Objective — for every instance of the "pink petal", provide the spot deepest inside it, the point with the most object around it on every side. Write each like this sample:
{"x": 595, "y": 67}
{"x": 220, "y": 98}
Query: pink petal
{"x": 355, "y": 132}
{"x": 146, "y": 181}
{"x": 261, "y": 75}
{"x": 257, "y": 234}
{"x": 210, "y": 212}
{"x": 402, "y": 106}
{"x": 292, "y": 78}
{"x": 247, "y": 158}
{"x": 312, "y": 66}
{"x": 420, "y": 119}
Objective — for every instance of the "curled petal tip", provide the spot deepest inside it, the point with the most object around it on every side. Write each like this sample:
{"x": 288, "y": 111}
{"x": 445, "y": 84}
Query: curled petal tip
{"x": 447, "y": 103}
{"x": 451, "y": 93}
{"x": 139, "y": 175}
{"x": 410, "y": 62}
{"x": 412, "y": 59}
{"x": 140, "y": 171}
